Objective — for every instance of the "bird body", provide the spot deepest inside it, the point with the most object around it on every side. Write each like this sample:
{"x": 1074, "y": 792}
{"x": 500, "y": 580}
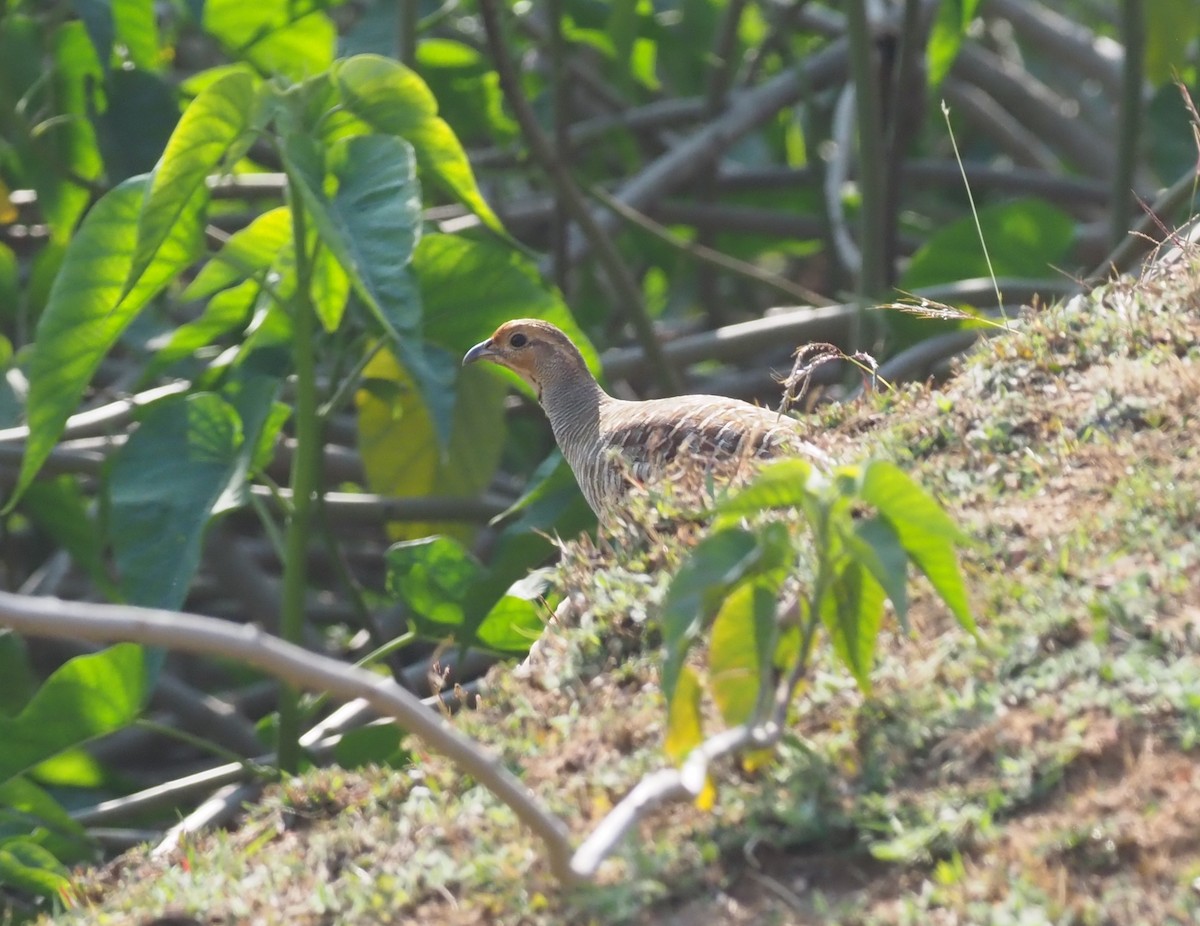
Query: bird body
{"x": 611, "y": 443}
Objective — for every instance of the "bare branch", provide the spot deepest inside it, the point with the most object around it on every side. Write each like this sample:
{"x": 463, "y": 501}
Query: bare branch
{"x": 192, "y": 633}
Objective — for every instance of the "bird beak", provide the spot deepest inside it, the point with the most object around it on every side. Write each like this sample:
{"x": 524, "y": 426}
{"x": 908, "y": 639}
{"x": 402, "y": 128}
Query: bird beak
{"x": 481, "y": 351}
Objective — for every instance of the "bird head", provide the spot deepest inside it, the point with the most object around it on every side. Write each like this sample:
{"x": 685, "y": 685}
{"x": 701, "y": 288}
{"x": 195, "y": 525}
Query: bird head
{"x": 535, "y": 350}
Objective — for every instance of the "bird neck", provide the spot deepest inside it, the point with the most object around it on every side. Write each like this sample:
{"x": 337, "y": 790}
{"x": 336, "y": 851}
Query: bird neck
{"x": 572, "y": 403}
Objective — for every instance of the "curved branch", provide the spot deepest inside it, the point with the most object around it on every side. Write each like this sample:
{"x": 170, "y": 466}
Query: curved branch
{"x": 191, "y": 633}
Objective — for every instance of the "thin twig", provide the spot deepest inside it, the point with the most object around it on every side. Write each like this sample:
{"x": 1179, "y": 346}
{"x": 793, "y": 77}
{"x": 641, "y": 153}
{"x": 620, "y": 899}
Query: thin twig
{"x": 709, "y": 255}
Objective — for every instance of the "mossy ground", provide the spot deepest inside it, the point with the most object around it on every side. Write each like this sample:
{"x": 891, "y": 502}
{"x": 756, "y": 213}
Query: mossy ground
{"x": 1047, "y": 772}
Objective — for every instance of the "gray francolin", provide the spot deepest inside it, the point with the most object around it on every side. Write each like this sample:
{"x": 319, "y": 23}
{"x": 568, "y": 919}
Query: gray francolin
{"x": 611, "y": 444}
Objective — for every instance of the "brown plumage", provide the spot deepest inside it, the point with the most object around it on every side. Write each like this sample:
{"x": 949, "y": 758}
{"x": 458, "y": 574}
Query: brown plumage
{"x": 610, "y": 443}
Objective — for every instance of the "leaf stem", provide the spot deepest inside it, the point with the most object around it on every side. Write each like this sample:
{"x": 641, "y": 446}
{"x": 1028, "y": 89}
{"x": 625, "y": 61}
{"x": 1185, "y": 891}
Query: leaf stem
{"x": 305, "y": 483}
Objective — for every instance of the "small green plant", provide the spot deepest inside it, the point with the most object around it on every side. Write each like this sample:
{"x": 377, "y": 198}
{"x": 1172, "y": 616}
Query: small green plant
{"x": 763, "y": 589}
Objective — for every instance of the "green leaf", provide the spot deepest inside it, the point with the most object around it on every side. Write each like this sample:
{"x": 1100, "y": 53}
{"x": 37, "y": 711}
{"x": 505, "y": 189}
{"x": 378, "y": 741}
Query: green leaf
{"x": 377, "y": 745}
{"x": 19, "y": 679}
{"x": 398, "y": 430}
{"x": 59, "y": 507}
{"x": 1171, "y": 26}
{"x": 395, "y": 101}
{"x": 137, "y": 32}
{"x": 875, "y": 545}
{"x": 371, "y": 227}
{"x": 514, "y": 622}
{"x": 1025, "y": 238}
{"x": 165, "y": 484}
{"x": 740, "y": 651}
{"x": 61, "y": 147}
{"x": 432, "y": 576}
{"x": 86, "y": 697}
{"x": 852, "y": 611}
{"x": 377, "y": 210}
{"x": 452, "y": 271}
{"x": 214, "y": 122}
{"x": 716, "y": 565}
{"x": 225, "y": 311}
{"x": 97, "y": 17}
{"x": 26, "y": 810}
{"x": 779, "y": 484}
{"x": 929, "y": 536}
{"x": 953, "y": 18}
{"x": 276, "y": 36}
{"x": 27, "y": 866}
{"x": 83, "y": 318}
{"x": 248, "y": 253}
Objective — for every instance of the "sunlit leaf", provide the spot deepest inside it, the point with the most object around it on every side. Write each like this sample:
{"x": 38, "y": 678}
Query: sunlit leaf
{"x": 248, "y": 252}
{"x": 779, "y": 484}
{"x": 949, "y": 29}
{"x": 1025, "y": 238}
{"x": 213, "y": 123}
{"x": 397, "y": 431}
{"x": 83, "y": 318}
{"x": 86, "y": 697}
{"x": 717, "y": 563}
{"x": 929, "y": 536}
{"x": 276, "y": 36}
{"x": 432, "y": 576}
{"x": 685, "y": 728}
{"x": 27, "y": 866}
{"x": 852, "y": 611}
{"x": 395, "y": 101}
{"x": 740, "y": 648}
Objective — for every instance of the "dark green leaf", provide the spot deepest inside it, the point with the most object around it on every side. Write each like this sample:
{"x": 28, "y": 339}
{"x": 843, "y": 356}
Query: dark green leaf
{"x": 873, "y": 542}
{"x": 19, "y": 679}
{"x": 165, "y": 485}
{"x": 60, "y": 508}
{"x": 26, "y": 810}
{"x": 377, "y": 214}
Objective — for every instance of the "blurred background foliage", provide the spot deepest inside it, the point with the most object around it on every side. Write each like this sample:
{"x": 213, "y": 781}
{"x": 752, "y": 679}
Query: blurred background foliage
{"x": 707, "y": 185}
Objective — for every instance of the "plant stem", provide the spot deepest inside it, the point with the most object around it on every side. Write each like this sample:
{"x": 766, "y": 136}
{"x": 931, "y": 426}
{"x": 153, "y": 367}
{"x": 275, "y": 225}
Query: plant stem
{"x": 305, "y": 483}
{"x": 1129, "y": 110}
{"x": 864, "y": 64}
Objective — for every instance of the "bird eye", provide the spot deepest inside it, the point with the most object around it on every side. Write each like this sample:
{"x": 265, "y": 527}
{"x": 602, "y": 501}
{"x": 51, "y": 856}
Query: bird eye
{"x": 518, "y": 340}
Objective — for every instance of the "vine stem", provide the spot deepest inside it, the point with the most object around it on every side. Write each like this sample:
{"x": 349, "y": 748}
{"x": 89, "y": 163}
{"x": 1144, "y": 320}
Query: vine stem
{"x": 305, "y": 483}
